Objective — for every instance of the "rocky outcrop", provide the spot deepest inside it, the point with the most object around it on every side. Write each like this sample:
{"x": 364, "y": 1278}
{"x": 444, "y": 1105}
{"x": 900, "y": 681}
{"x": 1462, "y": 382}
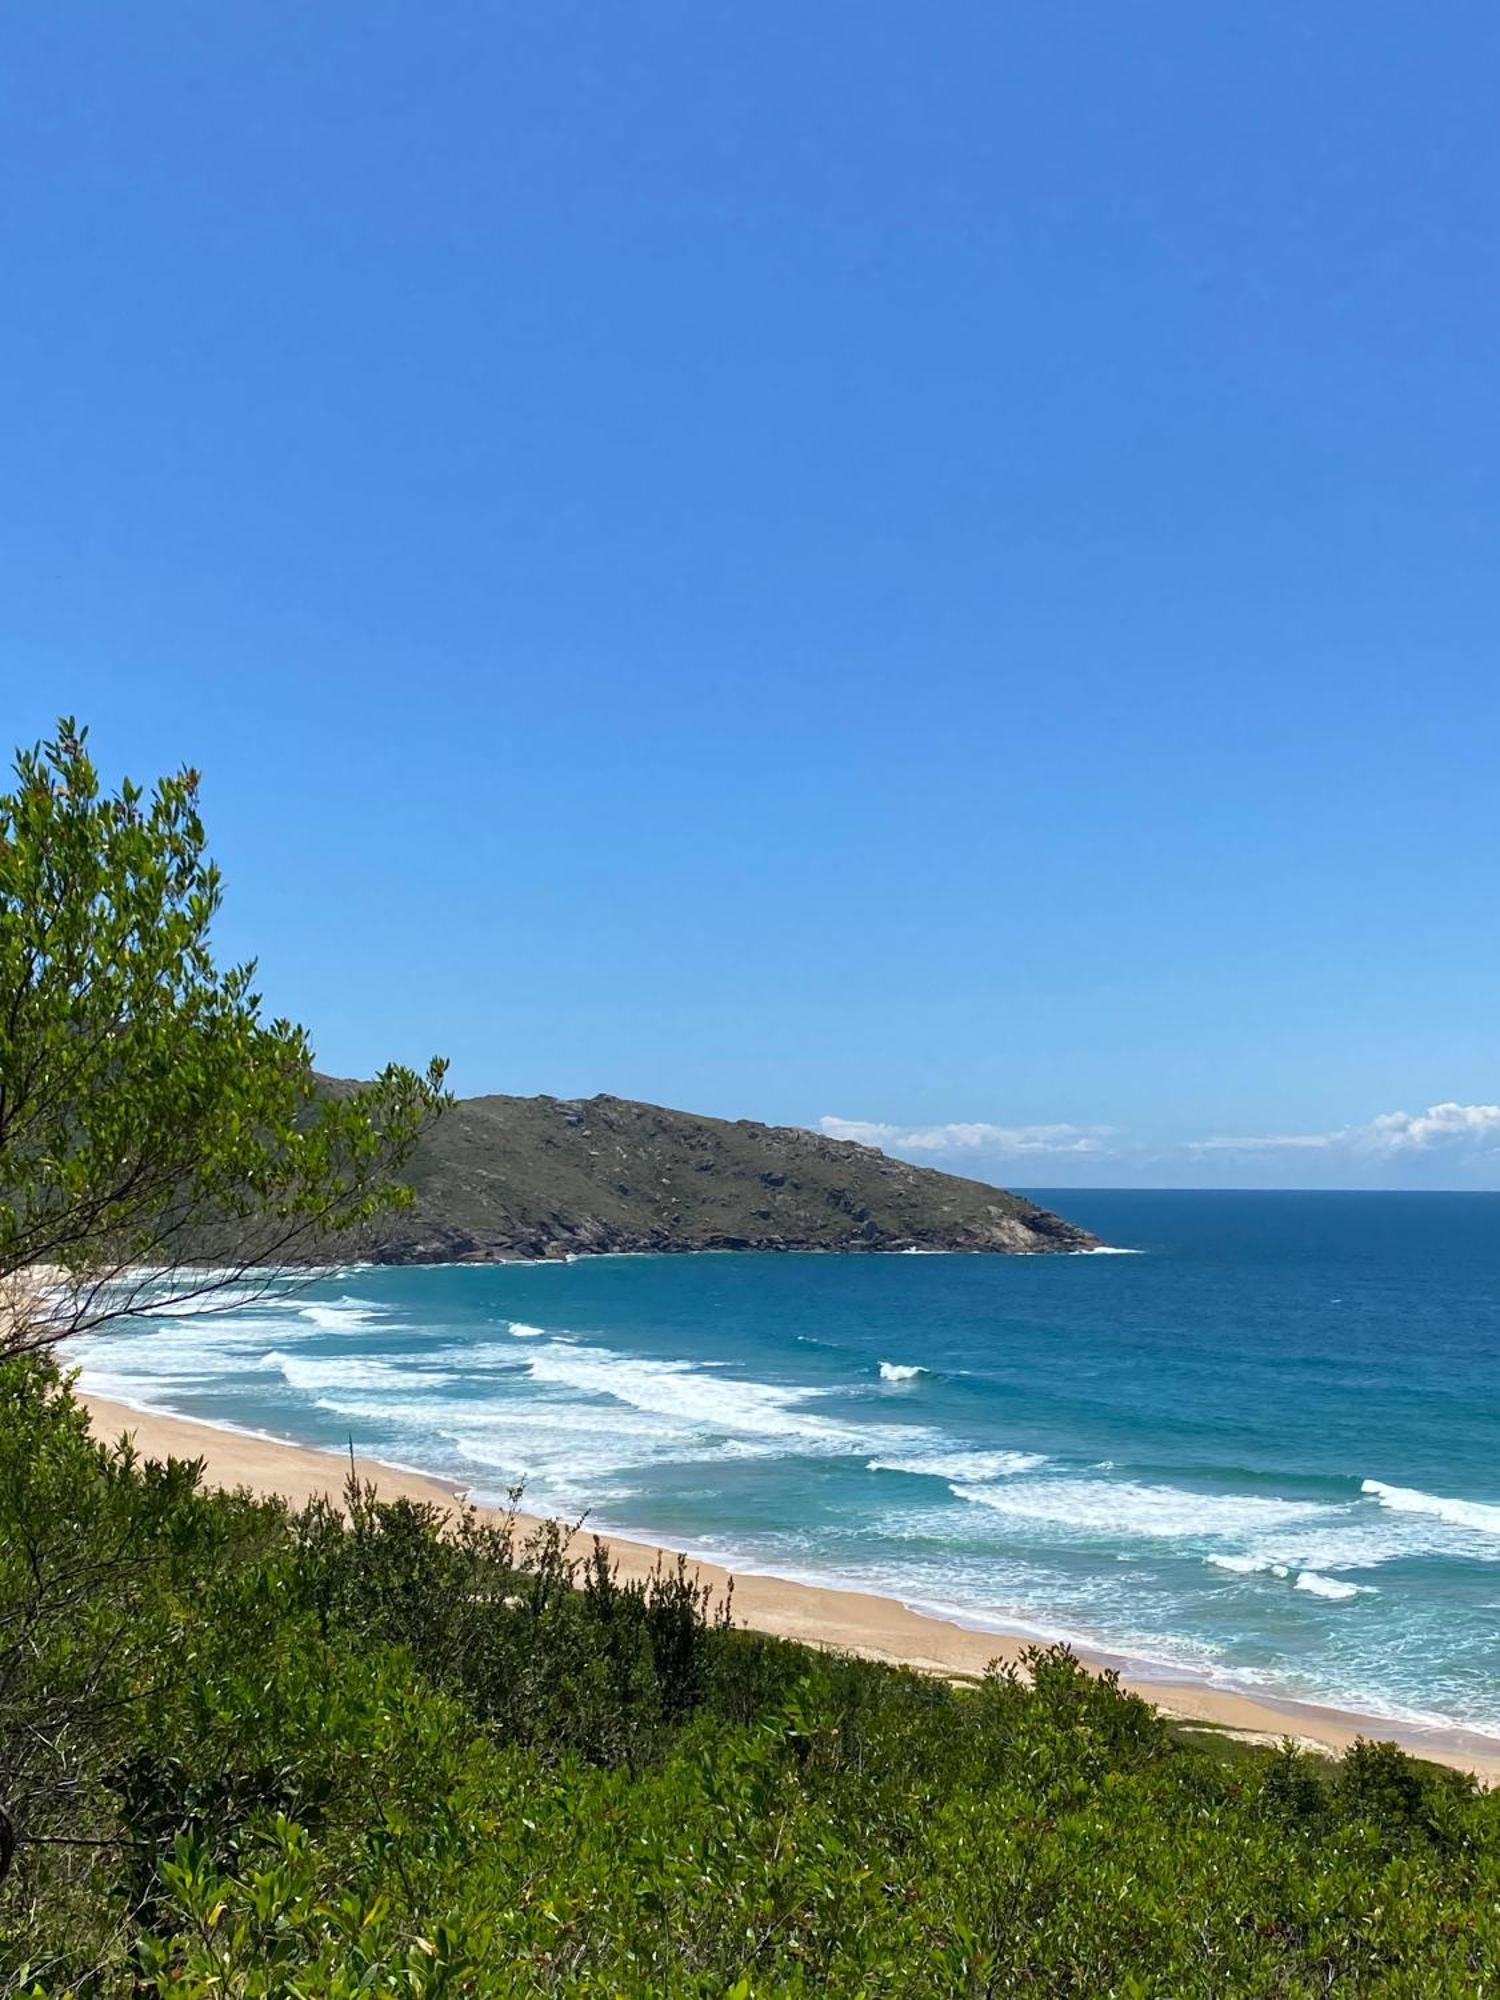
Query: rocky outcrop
{"x": 509, "y": 1177}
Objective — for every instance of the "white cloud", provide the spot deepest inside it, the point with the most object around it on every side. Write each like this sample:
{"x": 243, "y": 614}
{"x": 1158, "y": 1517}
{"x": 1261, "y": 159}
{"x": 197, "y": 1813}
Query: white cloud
{"x": 1440, "y": 1129}
{"x": 1454, "y": 1145}
{"x": 969, "y": 1137}
{"x": 1277, "y": 1142}
{"x": 1439, "y": 1125}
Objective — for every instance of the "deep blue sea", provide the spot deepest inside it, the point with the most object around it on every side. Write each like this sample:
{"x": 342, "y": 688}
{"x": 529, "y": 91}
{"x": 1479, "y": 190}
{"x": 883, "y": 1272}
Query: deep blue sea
{"x": 1264, "y": 1449}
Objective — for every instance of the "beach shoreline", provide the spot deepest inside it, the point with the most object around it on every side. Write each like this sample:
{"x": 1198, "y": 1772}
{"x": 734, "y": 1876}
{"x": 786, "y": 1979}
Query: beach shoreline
{"x": 843, "y": 1619}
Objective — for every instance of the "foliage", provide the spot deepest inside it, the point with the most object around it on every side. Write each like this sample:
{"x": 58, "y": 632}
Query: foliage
{"x": 147, "y": 1110}
{"x": 323, "y": 1755}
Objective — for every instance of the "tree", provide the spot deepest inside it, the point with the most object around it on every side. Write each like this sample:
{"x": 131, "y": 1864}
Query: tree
{"x": 159, "y": 1139}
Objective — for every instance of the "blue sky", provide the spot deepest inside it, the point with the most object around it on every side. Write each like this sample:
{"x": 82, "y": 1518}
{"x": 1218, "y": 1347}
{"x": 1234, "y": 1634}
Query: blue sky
{"x": 933, "y": 568}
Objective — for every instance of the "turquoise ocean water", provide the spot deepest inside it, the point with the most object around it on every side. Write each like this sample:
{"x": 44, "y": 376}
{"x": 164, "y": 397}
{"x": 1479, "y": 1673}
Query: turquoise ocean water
{"x": 1265, "y": 1449}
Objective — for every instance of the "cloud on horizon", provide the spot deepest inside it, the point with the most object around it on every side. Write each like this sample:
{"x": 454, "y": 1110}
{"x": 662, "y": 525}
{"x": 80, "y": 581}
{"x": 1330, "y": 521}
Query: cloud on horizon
{"x": 970, "y": 1138}
{"x": 1458, "y": 1140}
{"x": 1455, "y": 1127}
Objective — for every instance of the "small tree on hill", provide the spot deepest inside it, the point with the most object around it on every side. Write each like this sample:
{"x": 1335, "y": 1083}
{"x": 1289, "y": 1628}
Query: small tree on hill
{"x": 159, "y": 1139}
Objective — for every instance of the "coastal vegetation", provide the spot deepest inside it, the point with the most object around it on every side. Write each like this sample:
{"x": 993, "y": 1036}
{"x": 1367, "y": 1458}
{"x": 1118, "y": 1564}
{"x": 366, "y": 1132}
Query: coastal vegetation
{"x": 159, "y": 1136}
{"x": 248, "y": 1751}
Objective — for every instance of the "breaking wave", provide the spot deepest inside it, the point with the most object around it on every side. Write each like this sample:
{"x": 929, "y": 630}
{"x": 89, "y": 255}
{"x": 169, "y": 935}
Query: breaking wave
{"x": 1248, "y": 1565}
{"x": 1328, "y": 1586}
{"x": 231, "y": 1299}
{"x": 342, "y": 1315}
{"x": 314, "y": 1373}
{"x": 685, "y": 1394}
{"x": 1481, "y": 1516}
{"x": 1312, "y": 1581}
{"x": 963, "y": 1464}
{"x": 1092, "y": 1507}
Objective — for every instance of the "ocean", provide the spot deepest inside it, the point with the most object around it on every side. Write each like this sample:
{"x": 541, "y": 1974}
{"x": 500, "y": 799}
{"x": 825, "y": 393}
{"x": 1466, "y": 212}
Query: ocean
{"x": 1263, "y": 1449}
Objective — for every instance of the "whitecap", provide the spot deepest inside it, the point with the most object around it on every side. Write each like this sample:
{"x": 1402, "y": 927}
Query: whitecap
{"x": 341, "y": 1315}
{"x": 963, "y": 1464}
{"x": 210, "y": 1303}
{"x": 1327, "y": 1586}
{"x": 900, "y": 1371}
{"x": 681, "y": 1393}
{"x": 1483, "y": 1517}
{"x": 1248, "y": 1565}
{"x": 521, "y": 1331}
{"x": 316, "y": 1372}
{"x": 186, "y": 1348}
{"x": 1107, "y": 1507}
{"x": 564, "y": 1451}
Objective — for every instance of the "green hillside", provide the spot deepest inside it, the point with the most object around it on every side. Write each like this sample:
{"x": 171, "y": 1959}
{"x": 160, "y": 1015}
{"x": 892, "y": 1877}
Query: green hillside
{"x": 544, "y": 1176}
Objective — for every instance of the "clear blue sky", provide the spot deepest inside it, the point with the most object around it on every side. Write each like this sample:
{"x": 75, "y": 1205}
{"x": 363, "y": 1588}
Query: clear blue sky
{"x": 920, "y": 565}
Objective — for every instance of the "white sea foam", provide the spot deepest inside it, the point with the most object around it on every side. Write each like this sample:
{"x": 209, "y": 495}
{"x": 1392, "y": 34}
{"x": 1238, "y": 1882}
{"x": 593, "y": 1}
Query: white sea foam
{"x": 1358, "y": 1535}
{"x": 521, "y": 1331}
{"x": 1091, "y": 1507}
{"x": 568, "y": 1452}
{"x": 900, "y": 1371}
{"x": 962, "y": 1465}
{"x": 1262, "y": 1565}
{"x": 1327, "y": 1586}
{"x": 316, "y": 1372}
{"x": 1481, "y": 1516}
{"x": 342, "y": 1315}
{"x": 184, "y": 1349}
{"x": 478, "y": 1358}
{"x": 564, "y": 1450}
{"x": 173, "y": 1276}
{"x": 681, "y": 1393}
{"x": 211, "y": 1304}
{"x": 131, "y": 1390}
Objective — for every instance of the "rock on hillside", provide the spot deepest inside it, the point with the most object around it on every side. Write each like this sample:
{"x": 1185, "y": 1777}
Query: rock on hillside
{"x": 503, "y": 1177}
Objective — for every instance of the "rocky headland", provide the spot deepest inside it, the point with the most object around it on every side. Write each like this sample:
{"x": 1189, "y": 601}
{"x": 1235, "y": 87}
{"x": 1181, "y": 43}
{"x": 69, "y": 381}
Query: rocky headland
{"x": 509, "y": 1177}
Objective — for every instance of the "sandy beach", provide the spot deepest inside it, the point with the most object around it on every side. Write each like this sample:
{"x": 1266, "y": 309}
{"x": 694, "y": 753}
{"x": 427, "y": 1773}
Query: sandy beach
{"x": 877, "y": 1628}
